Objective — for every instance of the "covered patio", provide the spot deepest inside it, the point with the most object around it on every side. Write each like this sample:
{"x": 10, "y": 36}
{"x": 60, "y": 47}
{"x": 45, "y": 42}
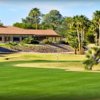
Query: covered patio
{"x": 14, "y": 34}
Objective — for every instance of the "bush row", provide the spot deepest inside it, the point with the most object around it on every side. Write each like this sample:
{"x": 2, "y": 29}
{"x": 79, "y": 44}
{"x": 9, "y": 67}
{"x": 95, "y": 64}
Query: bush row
{"x": 30, "y": 41}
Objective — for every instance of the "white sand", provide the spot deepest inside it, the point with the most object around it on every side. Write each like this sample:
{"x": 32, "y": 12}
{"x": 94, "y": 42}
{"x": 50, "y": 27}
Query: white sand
{"x": 80, "y": 69}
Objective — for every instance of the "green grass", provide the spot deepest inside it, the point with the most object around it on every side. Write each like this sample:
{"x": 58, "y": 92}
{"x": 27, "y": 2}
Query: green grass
{"x": 47, "y": 84}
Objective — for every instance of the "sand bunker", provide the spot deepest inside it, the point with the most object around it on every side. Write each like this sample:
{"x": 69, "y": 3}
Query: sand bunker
{"x": 55, "y": 66}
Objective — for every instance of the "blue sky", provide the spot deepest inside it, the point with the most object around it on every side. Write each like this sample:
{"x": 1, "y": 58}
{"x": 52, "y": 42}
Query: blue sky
{"x": 12, "y": 11}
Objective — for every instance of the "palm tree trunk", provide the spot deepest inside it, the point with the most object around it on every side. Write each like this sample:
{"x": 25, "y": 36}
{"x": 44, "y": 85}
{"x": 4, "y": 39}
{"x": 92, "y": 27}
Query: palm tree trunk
{"x": 96, "y": 39}
{"x": 75, "y": 52}
{"x": 83, "y": 35}
{"x": 82, "y": 40}
{"x": 99, "y": 35}
{"x": 79, "y": 41}
{"x": 36, "y": 26}
{"x": 90, "y": 67}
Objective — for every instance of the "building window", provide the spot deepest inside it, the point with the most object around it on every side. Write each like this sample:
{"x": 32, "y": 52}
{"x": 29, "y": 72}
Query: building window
{"x": 23, "y": 38}
{"x": 0, "y": 38}
{"x": 16, "y": 39}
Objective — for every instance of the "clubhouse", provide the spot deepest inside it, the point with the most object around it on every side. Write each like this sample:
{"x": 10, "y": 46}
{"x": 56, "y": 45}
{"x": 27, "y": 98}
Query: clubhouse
{"x": 15, "y": 34}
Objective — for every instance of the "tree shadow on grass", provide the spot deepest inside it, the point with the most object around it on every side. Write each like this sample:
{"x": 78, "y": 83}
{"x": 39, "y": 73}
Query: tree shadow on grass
{"x": 46, "y": 97}
{"x": 47, "y": 61}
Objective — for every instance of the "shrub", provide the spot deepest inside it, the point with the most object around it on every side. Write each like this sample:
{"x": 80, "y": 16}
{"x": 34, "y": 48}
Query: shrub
{"x": 93, "y": 58}
{"x": 63, "y": 42}
{"x": 35, "y": 42}
{"x": 12, "y": 43}
{"x": 27, "y": 40}
{"x": 46, "y": 41}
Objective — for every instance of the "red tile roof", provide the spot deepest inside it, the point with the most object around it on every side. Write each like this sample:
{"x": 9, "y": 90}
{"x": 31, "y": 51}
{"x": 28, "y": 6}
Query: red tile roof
{"x": 10, "y": 30}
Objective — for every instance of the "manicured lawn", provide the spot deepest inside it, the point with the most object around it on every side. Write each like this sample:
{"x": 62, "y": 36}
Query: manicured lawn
{"x": 42, "y": 56}
{"x": 19, "y": 83}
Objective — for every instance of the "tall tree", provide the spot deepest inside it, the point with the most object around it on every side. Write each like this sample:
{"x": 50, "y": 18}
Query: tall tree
{"x": 69, "y": 25}
{"x": 70, "y": 22}
{"x": 92, "y": 33}
{"x": 96, "y": 21}
{"x": 53, "y": 19}
{"x": 71, "y": 34}
{"x": 33, "y": 17}
{"x": 81, "y": 24}
{"x": 73, "y": 41}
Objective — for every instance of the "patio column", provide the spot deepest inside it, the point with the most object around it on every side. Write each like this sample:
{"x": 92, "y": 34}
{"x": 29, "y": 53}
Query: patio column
{"x": 11, "y": 38}
{"x": 20, "y": 38}
{"x": 3, "y": 38}
{"x": 55, "y": 39}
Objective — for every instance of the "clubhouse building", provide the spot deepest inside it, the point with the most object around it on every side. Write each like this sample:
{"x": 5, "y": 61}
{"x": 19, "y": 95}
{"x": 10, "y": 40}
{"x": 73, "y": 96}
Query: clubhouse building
{"x": 15, "y": 34}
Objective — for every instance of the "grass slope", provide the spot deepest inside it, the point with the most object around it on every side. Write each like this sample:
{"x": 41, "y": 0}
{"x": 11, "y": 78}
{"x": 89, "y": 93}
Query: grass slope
{"x": 46, "y": 84}
{"x": 42, "y": 56}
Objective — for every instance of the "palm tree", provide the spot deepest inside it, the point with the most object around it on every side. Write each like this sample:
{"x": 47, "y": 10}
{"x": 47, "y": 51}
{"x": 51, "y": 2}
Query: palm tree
{"x": 71, "y": 33}
{"x": 35, "y": 13}
{"x": 93, "y": 30}
{"x": 81, "y": 24}
{"x": 77, "y": 24}
{"x": 85, "y": 23}
{"x": 96, "y": 20}
{"x": 93, "y": 58}
{"x": 73, "y": 41}
{"x": 70, "y": 22}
